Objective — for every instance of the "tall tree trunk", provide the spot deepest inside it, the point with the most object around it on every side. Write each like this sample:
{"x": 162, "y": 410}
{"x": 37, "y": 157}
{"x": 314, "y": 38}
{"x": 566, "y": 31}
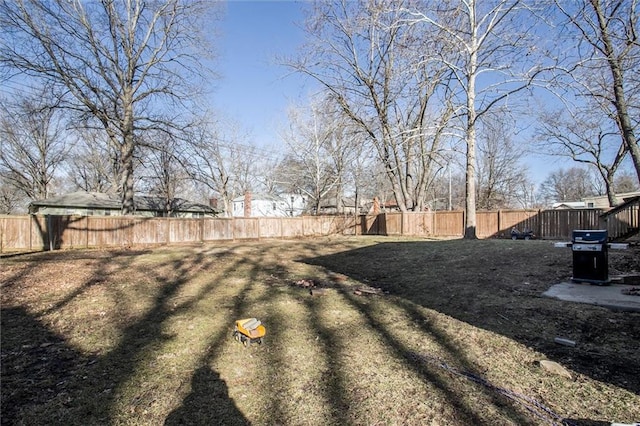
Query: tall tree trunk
{"x": 611, "y": 194}
{"x": 127, "y": 151}
{"x": 622, "y": 111}
{"x": 470, "y": 174}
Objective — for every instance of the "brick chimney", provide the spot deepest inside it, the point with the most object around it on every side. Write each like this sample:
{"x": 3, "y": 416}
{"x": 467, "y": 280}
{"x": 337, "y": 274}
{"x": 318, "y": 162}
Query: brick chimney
{"x": 376, "y": 205}
{"x": 247, "y": 204}
{"x": 213, "y": 203}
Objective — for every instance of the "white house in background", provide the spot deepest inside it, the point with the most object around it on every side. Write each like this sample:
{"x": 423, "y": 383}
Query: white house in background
{"x": 267, "y": 205}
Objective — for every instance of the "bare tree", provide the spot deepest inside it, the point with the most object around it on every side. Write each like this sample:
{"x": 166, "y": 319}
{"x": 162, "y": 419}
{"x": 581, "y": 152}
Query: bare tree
{"x": 379, "y": 72}
{"x": 482, "y": 38}
{"x": 222, "y": 161}
{"x": 93, "y": 165}
{"x": 605, "y": 64}
{"x": 626, "y": 182}
{"x": 269, "y": 180}
{"x": 163, "y": 169}
{"x": 32, "y": 147}
{"x": 502, "y": 176}
{"x": 119, "y": 63}
{"x": 447, "y": 192}
{"x": 586, "y": 136}
{"x": 567, "y": 185}
{"x": 11, "y": 201}
{"x": 318, "y": 153}
{"x": 359, "y": 168}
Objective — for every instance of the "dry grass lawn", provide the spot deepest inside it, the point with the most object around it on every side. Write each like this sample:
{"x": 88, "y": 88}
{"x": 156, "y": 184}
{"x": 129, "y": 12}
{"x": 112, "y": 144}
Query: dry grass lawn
{"x": 143, "y": 336}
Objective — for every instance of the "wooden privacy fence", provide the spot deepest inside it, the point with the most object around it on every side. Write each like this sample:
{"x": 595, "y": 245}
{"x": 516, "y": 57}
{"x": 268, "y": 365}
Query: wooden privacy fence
{"x": 622, "y": 221}
{"x": 59, "y": 232}
{"x": 548, "y": 224}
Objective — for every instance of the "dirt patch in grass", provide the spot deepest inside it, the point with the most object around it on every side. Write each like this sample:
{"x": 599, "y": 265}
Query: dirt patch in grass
{"x": 455, "y": 337}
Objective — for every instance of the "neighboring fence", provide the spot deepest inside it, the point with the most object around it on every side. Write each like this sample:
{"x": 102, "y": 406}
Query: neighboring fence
{"x": 549, "y": 224}
{"x": 56, "y": 232}
{"x": 622, "y": 221}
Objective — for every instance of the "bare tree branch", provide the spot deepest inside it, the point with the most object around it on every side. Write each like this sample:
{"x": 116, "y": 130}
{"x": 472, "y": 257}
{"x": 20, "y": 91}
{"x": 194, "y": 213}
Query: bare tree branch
{"x": 114, "y": 61}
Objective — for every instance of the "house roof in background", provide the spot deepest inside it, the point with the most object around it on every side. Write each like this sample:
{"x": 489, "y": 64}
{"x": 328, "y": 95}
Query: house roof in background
{"x": 99, "y": 200}
{"x": 621, "y": 195}
{"x": 569, "y": 205}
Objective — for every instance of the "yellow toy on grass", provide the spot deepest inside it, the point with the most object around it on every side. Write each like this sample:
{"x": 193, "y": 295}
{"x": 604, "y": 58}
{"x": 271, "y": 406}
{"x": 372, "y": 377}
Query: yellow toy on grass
{"x": 249, "y": 330}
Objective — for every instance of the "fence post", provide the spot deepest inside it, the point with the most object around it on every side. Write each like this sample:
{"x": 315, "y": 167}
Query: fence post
{"x": 539, "y": 230}
{"x": 435, "y": 223}
{"x": 464, "y": 224}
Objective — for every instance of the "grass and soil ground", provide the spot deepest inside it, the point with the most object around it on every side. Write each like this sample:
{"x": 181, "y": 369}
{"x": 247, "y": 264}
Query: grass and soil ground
{"x": 143, "y": 336}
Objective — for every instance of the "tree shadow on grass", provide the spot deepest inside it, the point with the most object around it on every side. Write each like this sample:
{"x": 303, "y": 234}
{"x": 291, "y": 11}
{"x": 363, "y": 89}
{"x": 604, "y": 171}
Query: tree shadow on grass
{"x": 497, "y": 286}
{"x": 37, "y": 365}
{"x": 432, "y": 372}
{"x": 207, "y": 404}
{"x": 45, "y": 381}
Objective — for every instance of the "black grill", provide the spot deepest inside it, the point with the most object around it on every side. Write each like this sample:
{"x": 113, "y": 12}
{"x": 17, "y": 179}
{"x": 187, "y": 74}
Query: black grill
{"x": 590, "y": 256}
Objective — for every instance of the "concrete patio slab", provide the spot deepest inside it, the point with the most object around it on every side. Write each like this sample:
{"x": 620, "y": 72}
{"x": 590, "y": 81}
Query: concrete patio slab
{"x": 608, "y": 296}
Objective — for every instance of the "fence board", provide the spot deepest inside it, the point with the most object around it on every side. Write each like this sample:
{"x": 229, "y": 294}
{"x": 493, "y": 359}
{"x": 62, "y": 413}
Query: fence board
{"x": 315, "y": 225}
{"x": 115, "y": 231}
{"x": 246, "y": 228}
{"x": 622, "y": 220}
{"x": 393, "y": 223}
{"x": 184, "y": 230}
{"x": 559, "y": 224}
{"x": 344, "y": 225}
{"x": 217, "y": 229}
{"x": 270, "y": 227}
{"x": 39, "y": 237}
{"x": 70, "y": 231}
{"x": 15, "y": 233}
{"x": 151, "y": 231}
{"x": 449, "y": 224}
{"x": 43, "y": 232}
{"x": 292, "y": 227}
{"x": 520, "y": 219}
{"x": 418, "y": 223}
{"x": 370, "y": 225}
{"x": 487, "y": 224}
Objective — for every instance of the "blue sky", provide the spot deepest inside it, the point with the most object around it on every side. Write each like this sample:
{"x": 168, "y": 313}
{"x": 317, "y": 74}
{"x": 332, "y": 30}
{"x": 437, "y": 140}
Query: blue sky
{"x": 254, "y": 89}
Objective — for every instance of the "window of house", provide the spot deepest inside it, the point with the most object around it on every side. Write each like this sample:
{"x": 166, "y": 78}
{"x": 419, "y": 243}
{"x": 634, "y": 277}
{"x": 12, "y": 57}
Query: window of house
{"x": 107, "y": 212}
{"x": 274, "y": 206}
{"x": 590, "y": 205}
